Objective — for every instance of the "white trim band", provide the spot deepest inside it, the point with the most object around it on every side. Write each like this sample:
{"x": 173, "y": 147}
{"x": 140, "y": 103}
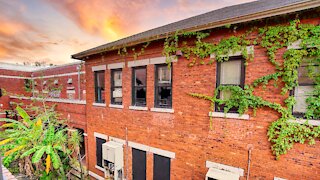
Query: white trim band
{"x": 229, "y": 115}
{"x": 99, "y": 68}
{"x": 59, "y": 75}
{"x": 14, "y": 77}
{"x": 99, "y": 168}
{"x": 116, "y": 65}
{"x": 99, "y": 104}
{"x": 162, "y": 110}
{"x": 143, "y": 62}
{"x": 116, "y": 106}
{"x": 69, "y": 101}
{"x": 99, "y": 135}
{"x": 138, "y": 108}
{"x": 163, "y": 60}
{"x": 96, "y": 176}
{"x": 250, "y": 50}
{"x": 302, "y": 121}
{"x": 223, "y": 167}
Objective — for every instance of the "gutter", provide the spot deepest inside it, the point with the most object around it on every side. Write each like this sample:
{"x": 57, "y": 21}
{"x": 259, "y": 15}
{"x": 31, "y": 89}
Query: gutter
{"x": 241, "y": 19}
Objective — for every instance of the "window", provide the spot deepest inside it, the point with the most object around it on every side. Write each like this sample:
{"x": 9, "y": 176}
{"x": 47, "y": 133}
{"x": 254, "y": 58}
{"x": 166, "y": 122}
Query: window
{"x": 139, "y": 86}
{"x": 161, "y": 167}
{"x": 230, "y": 73}
{"x": 99, "y": 143}
{"x": 116, "y": 86}
{"x": 163, "y": 86}
{"x": 99, "y": 86}
{"x": 304, "y": 89}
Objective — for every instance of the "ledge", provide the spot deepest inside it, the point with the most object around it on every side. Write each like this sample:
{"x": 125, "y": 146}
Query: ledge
{"x": 99, "y": 168}
{"x": 229, "y": 115}
{"x": 116, "y": 106}
{"x": 162, "y": 110}
{"x": 302, "y": 121}
{"x": 99, "y": 68}
{"x": 138, "y": 108}
{"x": 224, "y": 167}
{"x": 58, "y": 100}
{"x": 96, "y": 176}
{"x": 116, "y": 65}
{"x": 250, "y": 50}
{"x": 99, "y": 104}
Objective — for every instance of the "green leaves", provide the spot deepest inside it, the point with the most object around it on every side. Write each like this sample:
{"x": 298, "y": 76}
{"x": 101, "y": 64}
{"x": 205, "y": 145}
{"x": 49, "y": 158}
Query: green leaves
{"x": 24, "y": 115}
{"x": 38, "y": 154}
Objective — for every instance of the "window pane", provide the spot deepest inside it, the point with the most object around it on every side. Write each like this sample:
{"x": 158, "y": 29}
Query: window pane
{"x": 231, "y": 72}
{"x": 100, "y": 79}
{"x": 99, "y": 86}
{"x": 164, "y": 75}
{"x": 140, "y": 96}
{"x": 303, "y": 77}
{"x": 225, "y": 94}
{"x": 117, "y": 78}
{"x": 140, "y": 75}
{"x": 164, "y": 97}
{"x": 301, "y": 93}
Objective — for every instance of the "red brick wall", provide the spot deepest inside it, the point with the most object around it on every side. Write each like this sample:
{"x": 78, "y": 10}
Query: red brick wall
{"x": 186, "y": 132}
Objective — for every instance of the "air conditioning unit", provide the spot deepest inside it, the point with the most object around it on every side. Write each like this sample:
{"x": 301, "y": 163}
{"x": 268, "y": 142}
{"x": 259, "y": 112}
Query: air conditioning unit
{"x": 112, "y": 155}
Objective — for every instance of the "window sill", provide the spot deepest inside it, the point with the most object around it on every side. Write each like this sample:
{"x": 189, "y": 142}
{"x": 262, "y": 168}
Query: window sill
{"x": 99, "y": 168}
{"x": 138, "y": 108}
{"x": 302, "y": 121}
{"x": 229, "y": 115}
{"x": 99, "y": 104}
{"x": 117, "y": 106}
{"x": 162, "y": 110}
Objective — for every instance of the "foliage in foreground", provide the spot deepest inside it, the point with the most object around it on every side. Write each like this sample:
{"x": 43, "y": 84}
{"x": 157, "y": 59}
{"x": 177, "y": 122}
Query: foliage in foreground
{"x": 41, "y": 144}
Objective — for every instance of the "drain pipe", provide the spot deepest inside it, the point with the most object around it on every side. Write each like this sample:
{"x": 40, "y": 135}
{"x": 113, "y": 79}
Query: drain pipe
{"x": 79, "y": 88}
{"x": 127, "y": 153}
{"x": 249, "y": 161}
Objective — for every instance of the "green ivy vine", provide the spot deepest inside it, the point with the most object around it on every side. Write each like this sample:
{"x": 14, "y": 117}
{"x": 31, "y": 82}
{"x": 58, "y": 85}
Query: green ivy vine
{"x": 282, "y": 133}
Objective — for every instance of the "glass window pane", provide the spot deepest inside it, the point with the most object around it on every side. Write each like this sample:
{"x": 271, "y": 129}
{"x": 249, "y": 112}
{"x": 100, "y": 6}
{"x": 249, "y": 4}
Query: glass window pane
{"x": 164, "y": 96}
{"x": 231, "y": 72}
{"x": 117, "y": 78}
{"x": 117, "y": 93}
{"x": 140, "y": 96}
{"x": 164, "y": 75}
{"x": 301, "y": 93}
{"x": 140, "y": 75}
{"x": 303, "y": 77}
{"x": 100, "y": 79}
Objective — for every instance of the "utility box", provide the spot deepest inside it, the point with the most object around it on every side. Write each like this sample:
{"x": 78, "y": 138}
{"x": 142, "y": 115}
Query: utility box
{"x": 112, "y": 155}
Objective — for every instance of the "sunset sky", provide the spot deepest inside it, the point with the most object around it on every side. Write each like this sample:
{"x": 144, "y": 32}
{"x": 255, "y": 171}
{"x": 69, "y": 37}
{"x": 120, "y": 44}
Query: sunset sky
{"x": 52, "y": 30}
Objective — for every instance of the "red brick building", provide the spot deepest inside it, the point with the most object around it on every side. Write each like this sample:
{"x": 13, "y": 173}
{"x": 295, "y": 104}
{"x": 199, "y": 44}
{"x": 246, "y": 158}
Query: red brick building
{"x": 140, "y": 106}
{"x": 61, "y": 85}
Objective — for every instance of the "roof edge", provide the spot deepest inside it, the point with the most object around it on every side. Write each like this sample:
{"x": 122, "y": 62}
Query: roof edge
{"x": 241, "y": 19}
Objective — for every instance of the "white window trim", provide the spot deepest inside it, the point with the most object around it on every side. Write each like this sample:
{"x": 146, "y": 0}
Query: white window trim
{"x": 277, "y": 178}
{"x": 163, "y": 60}
{"x": 116, "y": 65}
{"x": 85, "y": 134}
{"x": 99, "y": 135}
{"x": 143, "y": 62}
{"x": 99, "y": 168}
{"x": 312, "y": 122}
{"x": 229, "y": 115}
{"x": 250, "y": 50}
{"x": 138, "y": 108}
{"x": 96, "y": 176}
{"x": 116, "y": 106}
{"x": 99, "y": 68}
{"x": 162, "y": 110}
{"x": 297, "y": 45}
{"x": 99, "y": 104}
{"x": 223, "y": 167}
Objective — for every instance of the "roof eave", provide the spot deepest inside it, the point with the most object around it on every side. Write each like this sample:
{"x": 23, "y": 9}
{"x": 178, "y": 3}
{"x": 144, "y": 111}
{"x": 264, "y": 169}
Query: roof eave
{"x": 241, "y": 19}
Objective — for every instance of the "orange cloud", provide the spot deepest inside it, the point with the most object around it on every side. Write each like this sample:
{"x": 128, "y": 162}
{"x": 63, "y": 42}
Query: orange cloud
{"x": 11, "y": 27}
{"x": 109, "y": 19}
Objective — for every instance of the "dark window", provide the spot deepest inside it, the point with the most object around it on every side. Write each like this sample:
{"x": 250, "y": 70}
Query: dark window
{"x": 116, "y": 86}
{"x": 139, "y": 164}
{"x": 0, "y": 92}
{"x": 139, "y": 86}
{"x": 99, "y": 143}
{"x": 305, "y": 87}
{"x": 163, "y": 86}
{"x": 230, "y": 73}
{"x": 99, "y": 86}
{"x": 161, "y": 167}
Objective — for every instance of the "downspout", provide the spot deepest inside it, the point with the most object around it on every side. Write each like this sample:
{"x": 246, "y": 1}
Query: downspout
{"x": 249, "y": 161}
{"x": 79, "y": 88}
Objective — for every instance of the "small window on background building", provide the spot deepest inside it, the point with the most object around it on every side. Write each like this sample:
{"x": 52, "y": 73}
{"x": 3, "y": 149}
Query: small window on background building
{"x": 163, "y": 86}
{"x": 99, "y": 86}
{"x": 56, "y": 81}
{"x": 116, "y": 86}
{"x": 69, "y": 81}
{"x": 230, "y": 73}
{"x": 99, "y": 143}
{"x": 139, "y": 86}
{"x": 304, "y": 89}
{"x": 71, "y": 94}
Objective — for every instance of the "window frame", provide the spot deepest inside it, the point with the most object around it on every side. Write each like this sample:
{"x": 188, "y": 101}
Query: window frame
{"x": 292, "y": 93}
{"x": 220, "y": 108}
{"x": 101, "y": 151}
{"x": 96, "y": 100}
{"x": 133, "y": 86}
{"x": 156, "y": 85}
{"x": 112, "y": 86}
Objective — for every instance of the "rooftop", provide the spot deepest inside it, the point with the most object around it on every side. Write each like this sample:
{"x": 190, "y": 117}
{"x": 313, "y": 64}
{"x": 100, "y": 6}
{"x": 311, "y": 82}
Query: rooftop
{"x": 217, "y": 18}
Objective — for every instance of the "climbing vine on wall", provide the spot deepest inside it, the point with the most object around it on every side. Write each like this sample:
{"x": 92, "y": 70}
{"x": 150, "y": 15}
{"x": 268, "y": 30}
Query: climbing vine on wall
{"x": 282, "y": 133}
